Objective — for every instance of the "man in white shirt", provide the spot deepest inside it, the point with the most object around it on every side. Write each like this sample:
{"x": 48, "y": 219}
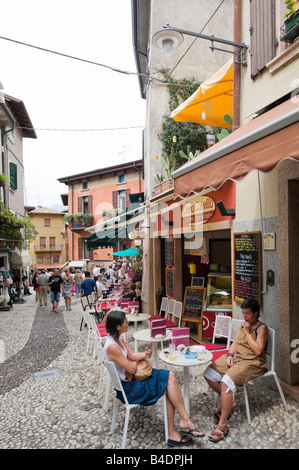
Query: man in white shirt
{"x": 96, "y": 271}
{"x": 100, "y": 285}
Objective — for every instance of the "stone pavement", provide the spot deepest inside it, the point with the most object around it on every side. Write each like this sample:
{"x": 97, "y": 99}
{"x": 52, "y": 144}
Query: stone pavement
{"x": 66, "y": 413}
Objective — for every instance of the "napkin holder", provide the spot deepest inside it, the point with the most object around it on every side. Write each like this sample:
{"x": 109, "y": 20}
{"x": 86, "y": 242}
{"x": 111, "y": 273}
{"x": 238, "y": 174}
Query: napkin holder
{"x": 158, "y": 327}
{"x": 180, "y": 335}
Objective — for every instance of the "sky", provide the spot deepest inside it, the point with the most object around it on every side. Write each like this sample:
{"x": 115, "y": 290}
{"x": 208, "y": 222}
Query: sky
{"x": 61, "y": 93}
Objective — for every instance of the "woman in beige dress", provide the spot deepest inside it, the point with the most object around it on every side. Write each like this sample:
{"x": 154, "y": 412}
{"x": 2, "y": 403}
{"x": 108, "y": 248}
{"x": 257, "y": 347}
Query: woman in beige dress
{"x": 246, "y": 360}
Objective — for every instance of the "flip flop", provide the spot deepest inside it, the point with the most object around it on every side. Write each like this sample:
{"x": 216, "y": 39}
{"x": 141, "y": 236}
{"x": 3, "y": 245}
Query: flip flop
{"x": 190, "y": 432}
{"x": 180, "y": 443}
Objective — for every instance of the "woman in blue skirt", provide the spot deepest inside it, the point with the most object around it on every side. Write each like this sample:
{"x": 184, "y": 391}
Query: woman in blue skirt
{"x": 148, "y": 391}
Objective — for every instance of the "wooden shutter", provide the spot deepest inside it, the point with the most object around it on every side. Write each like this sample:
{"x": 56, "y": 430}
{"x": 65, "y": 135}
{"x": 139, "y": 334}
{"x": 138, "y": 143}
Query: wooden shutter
{"x": 89, "y": 204}
{"x": 127, "y": 198}
{"x": 80, "y": 254}
{"x": 115, "y": 199}
{"x": 262, "y": 30}
{"x": 13, "y": 176}
{"x": 80, "y": 200}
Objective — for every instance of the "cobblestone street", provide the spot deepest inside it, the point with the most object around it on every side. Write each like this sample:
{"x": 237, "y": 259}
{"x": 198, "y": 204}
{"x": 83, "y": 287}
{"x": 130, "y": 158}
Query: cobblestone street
{"x": 66, "y": 413}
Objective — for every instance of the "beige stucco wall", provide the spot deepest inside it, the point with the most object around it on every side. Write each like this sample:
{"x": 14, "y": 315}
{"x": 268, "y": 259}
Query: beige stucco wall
{"x": 279, "y": 78}
{"x": 248, "y": 199}
{"x": 196, "y": 61}
{"x": 13, "y": 151}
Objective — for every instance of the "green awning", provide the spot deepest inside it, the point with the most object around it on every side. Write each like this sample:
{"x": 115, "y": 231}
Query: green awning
{"x": 112, "y": 231}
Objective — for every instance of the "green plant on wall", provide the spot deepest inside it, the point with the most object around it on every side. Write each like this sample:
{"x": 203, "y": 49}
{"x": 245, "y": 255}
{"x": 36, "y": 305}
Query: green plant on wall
{"x": 225, "y": 132}
{"x": 292, "y": 8}
{"x": 168, "y": 162}
{"x": 188, "y": 134}
{"x": 190, "y": 155}
{"x": 11, "y": 226}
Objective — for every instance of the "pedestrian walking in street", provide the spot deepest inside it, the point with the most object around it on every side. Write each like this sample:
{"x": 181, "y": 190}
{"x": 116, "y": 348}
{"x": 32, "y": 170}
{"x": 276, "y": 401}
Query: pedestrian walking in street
{"x": 55, "y": 283}
{"x": 88, "y": 285}
{"x": 42, "y": 282}
{"x": 77, "y": 280}
{"x": 35, "y": 285}
{"x": 67, "y": 284}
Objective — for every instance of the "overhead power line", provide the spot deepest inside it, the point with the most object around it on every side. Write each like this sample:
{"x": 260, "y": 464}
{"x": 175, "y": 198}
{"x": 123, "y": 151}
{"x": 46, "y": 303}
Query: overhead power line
{"x": 81, "y": 130}
{"x": 68, "y": 56}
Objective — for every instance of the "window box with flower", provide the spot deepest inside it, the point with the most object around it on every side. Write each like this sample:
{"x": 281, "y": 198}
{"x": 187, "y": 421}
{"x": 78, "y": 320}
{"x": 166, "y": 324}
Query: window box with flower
{"x": 135, "y": 272}
{"x": 290, "y": 28}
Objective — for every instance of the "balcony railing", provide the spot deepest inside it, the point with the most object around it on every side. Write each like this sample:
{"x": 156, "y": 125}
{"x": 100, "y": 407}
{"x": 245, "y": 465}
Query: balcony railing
{"x": 80, "y": 225}
{"x": 52, "y": 247}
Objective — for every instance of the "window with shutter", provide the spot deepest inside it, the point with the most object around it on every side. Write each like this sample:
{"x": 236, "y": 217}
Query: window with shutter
{"x": 13, "y": 176}
{"x": 80, "y": 248}
{"x": 262, "y": 30}
{"x": 127, "y": 198}
{"x": 90, "y": 204}
{"x": 80, "y": 204}
{"x": 115, "y": 199}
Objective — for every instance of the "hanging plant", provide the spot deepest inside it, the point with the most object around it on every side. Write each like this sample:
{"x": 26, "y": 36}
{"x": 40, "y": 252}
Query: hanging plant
{"x": 11, "y": 225}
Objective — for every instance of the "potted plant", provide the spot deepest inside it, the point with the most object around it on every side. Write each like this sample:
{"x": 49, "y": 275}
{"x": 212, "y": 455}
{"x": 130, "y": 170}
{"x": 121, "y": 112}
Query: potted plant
{"x": 290, "y": 29}
{"x": 158, "y": 179}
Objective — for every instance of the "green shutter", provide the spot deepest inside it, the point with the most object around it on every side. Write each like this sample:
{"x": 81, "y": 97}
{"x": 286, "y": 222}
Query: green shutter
{"x": 13, "y": 174}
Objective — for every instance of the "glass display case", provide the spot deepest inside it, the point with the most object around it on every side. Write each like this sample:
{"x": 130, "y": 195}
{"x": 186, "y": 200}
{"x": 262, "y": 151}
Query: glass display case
{"x": 219, "y": 292}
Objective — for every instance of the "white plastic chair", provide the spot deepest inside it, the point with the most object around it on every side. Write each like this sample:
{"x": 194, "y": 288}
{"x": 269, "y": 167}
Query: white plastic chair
{"x": 115, "y": 380}
{"x": 93, "y": 335}
{"x": 269, "y": 373}
{"x": 174, "y": 319}
{"x": 170, "y": 308}
{"x": 101, "y": 357}
{"x": 223, "y": 325}
{"x": 163, "y": 306}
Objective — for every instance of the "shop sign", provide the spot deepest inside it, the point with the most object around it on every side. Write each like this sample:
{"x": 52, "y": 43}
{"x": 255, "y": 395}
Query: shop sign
{"x": 202, "y": 209}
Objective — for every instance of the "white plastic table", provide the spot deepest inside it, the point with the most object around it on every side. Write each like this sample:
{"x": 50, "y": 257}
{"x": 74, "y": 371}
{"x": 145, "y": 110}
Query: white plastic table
{"x": 137, "y": 318}
{"x": 182, "y": 361}
{"x": 145, "y": 337}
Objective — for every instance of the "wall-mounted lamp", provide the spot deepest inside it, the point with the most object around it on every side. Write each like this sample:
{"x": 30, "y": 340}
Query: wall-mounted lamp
{"x": 169, "y": 38}
{"x": 223, "y": 211}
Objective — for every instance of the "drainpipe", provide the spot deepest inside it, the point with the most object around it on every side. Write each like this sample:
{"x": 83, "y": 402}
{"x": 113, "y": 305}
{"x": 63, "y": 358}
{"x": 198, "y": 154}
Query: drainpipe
{"x": 237, "y": 67}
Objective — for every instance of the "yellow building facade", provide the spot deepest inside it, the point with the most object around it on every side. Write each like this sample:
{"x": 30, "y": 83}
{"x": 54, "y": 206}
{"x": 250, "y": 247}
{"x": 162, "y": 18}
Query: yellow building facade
{"x": 50, "y": 247}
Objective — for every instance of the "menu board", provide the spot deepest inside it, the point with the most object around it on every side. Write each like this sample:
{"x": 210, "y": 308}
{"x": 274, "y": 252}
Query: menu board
{"x": 247, "y": 266}
{"x": 194, "y": 302}
{"x": 169, "y": 275}
{"x": 169, "y": 256}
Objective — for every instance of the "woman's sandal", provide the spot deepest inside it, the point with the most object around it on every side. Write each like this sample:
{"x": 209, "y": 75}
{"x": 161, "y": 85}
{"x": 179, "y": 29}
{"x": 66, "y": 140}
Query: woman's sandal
{"x": 217, "y": 436}
{"x": 217, "y": 415}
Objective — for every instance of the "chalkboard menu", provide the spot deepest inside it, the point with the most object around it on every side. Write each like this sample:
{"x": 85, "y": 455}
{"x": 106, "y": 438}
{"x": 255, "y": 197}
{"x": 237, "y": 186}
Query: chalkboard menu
{"x": 194, "y": 302}
{"x": 247, "y": 266}
{"x": 169, "y": 256}
{"x": 169, "y": 282}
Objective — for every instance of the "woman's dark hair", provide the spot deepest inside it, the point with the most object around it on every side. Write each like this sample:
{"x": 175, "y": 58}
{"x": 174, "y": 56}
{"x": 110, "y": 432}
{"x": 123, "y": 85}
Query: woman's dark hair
{"x": 114, "y": 319}
{"x": 253, "y": 305}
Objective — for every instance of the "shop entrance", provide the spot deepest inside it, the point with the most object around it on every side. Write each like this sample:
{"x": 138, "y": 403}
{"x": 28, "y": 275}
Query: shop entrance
{"x": 210, "y": 266}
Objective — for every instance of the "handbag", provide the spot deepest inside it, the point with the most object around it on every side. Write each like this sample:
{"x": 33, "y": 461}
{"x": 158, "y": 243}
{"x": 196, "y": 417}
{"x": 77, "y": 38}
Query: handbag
{"x": 143, "y": 372}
